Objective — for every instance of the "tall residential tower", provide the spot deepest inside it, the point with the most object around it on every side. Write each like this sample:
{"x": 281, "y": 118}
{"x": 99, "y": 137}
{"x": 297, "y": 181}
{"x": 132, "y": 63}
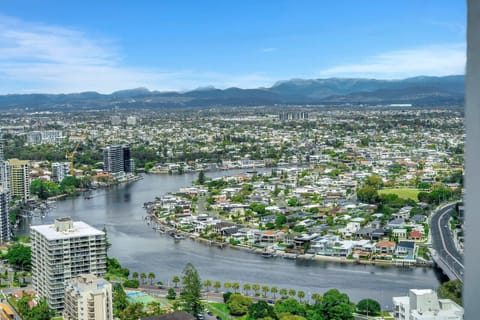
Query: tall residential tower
{"x": 62, "y": 251}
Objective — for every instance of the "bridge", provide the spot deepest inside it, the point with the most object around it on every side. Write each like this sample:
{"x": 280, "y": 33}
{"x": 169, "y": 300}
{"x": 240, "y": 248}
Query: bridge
{"x": 444, "y": 251}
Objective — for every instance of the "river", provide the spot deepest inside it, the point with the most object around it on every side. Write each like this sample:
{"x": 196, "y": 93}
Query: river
{"x": 138, "y": 247}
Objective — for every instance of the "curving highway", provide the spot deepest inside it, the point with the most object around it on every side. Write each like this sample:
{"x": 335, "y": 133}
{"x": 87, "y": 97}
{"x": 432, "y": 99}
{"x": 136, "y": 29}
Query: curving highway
{"x": 446, "y": 255}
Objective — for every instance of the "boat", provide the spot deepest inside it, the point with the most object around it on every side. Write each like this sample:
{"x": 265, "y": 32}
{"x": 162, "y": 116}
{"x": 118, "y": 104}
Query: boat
{"x": 179, "y": 236}
{"x": 290, "y": 256}
{"x": 268, "y": 254}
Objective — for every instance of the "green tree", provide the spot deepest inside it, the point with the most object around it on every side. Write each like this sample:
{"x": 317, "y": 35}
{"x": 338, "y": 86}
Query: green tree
{"x": 368, "y": 194}
{"x": 374, "y": 181}
{"x": 151, "y": 277}
{"x": 227, "y": 285}
{"x": 289, "y": 305}
{"x": 256, "y": 288}
{"x": 292, "y": 292}
{"x": 247, "y": 288}
{"x": 235, "y": 286}
{"x": 280, "y": 220}
{"x": 20, "y": 256}
{"x": 201, "y": 177}
{"x": 238, "y": 304}
{"x": 265, "y": 290}
{"x": 316, "y": 298}
{"x": 133, "y": 311}
{"x": 283, "y": 292}
{"x": 217, "y": 285}
{"x": 176, "y": 281}
{"x": 274, "y": 290}
{"x": 120, "y": 300}
{"x": 451, "y": 290}
{"x": 207, "y": 284}
{"x": 135, "y": 275}
{"x": 143, "y": 276}
{"x": 369, "y": 307}
{"x": 261, "y": 310}
{"x": 171, "y": 295}
{"x": 301, "y": 295}
{"x": 191, "y": 292}
{"x": 335, "y": 305}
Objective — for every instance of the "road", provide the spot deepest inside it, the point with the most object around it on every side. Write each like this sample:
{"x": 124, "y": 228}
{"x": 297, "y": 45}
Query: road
{"x": 443, "y": 244}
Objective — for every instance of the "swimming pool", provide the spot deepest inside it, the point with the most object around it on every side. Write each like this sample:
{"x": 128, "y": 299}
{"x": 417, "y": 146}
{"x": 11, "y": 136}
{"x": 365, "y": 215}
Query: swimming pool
{"x": 133, "y": 294}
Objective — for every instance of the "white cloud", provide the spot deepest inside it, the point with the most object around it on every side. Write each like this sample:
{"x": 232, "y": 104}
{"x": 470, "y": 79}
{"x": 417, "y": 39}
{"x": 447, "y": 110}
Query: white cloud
{"x": 44, "y": 58}
{"x": 436, "y": 60}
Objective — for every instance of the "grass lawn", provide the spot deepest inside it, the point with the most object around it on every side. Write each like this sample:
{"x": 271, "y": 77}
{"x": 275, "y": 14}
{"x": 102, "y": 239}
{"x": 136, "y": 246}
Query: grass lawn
{"x": 405, "y": 193}
{"x": 221, "y": 310}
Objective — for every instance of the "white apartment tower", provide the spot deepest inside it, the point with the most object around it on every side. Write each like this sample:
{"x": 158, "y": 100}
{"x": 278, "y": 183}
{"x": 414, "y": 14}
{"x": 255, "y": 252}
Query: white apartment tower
{"x": 62, "y": 251}
{"x": 4, "y": 215}
{"x": 88, "y": 297}
{"x": 60, "y": 170}
{"x": 423, "y": 304}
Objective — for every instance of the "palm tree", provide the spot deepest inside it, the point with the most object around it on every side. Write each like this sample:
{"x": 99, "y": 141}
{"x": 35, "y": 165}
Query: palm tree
{"x": 175, "y": 281}
{"x": 151, "y": 277}
{"x": 265, "y": 290}
{"x": 143, "y": 276}
{"x": 301, "y": 295}
{"x": 283, "y": 292}
{"x": 274, "y": 290}
{"x": 316, "y": 298}
{"x": 255, "y": 288}
{"x": 292, "y": 292}
{"x": 217, "y": 285}
{"x": 207, "y": 284}
{"x": 227, "y": 285}
{"x": 235, "y": 286}
{"x": 246, "y": 288}
{"x": 135, "y": 275}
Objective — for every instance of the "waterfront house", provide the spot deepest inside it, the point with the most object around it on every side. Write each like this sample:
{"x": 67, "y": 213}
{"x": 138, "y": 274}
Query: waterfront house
{"x": 416, "y": 235}
{"x": 406, "y": 251}
{"x": 385, "y": 247}
{"x": 400, "y": 234}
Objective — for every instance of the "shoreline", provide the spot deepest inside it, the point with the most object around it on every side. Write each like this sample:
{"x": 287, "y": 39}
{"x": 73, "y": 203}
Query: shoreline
{"x": 281, "y": 254}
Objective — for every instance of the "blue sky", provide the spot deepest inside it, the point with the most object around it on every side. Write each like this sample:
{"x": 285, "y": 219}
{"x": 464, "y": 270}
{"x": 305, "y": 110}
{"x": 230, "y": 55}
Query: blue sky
{"x": 67, "y": 46}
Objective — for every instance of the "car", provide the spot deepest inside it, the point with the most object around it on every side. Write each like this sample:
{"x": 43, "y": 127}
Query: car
{"x": 210, "y": 313}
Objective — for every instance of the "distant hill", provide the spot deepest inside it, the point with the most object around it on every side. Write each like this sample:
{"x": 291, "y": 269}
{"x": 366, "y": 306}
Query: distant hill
{"x": 421, "y": 91}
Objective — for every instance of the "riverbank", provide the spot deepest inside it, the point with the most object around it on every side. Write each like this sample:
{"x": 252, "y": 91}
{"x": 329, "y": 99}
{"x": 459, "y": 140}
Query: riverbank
{"x": 271, "y": 253}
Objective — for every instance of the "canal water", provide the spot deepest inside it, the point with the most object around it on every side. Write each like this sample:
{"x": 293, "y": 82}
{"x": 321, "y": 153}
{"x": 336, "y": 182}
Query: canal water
{"x": 137, "y": 246}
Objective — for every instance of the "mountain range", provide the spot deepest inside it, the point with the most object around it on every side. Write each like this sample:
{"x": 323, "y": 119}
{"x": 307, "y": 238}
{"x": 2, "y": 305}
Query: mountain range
{"x": 418, "y": 91}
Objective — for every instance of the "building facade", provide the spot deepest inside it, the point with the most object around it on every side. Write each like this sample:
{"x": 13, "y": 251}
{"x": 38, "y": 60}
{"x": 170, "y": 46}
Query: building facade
{"x": 117, "y": 159}
{"x": 62, "y": 251}
{"x": 47, "y": 136}
{"x": 15, "y": 178}
{"x": 4, "y": 215}
{"x": 60, "y": 170}
{"x": 423, "y": 304}
{"x": 88, "y": 297}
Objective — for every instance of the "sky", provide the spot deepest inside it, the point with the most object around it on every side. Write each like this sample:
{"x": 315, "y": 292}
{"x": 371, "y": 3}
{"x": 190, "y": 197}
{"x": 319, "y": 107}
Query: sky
{"x": 75, "y": 46}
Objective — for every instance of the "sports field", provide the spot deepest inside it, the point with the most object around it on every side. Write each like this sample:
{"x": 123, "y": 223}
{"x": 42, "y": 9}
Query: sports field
{"x": 405, "y": 193}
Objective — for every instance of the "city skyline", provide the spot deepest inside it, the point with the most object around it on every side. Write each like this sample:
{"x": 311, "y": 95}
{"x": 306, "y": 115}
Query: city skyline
{"x": 59, "y": 47}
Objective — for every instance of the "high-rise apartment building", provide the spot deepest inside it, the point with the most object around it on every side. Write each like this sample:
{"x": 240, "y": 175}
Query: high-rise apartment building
{"x": 62, "y": 251}
{"x": 116, "y": 120}
{"x": 88, "y": 297}
{"x": 60, "y": 170}
{"x": 15, "y": 177}
{"x": 47, "y": 136}
{"x": 4, "y": 215}
{"x": 131, "y": 120}
{"x": 117, "y": 159}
